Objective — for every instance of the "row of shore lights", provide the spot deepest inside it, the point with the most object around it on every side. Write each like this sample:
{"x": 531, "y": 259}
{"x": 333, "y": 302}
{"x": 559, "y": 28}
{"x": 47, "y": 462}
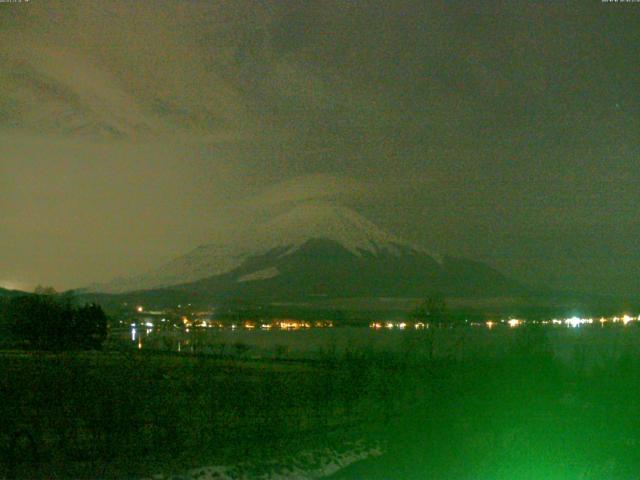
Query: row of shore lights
{"x": 572, "y": 321}
{"x": 515, "y": 322}
{"x": 512, "y": 322}
{"x": 400, "y": 325}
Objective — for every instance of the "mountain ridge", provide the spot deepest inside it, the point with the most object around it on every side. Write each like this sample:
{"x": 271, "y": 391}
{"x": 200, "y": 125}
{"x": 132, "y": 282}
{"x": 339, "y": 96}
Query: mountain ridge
{"x": 316, "y": 249}
{"x": 287, "y": 232}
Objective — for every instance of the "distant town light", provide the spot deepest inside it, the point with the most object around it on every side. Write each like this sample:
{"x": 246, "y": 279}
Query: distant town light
{"x": 574, "y": 322}
{"x": 140, "y": 309}
{"x": 514, "y": 322}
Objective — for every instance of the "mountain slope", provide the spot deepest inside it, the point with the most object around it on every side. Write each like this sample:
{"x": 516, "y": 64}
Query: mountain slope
{"x": 10, "y": 293}
{"x": 317, "y": 249}
{"x": 283, "y": 234}
{"x": 324, "y": 268}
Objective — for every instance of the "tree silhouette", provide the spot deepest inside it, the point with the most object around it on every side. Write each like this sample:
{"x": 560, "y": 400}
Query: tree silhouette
{"x": 52, "y": 322}
{"x": 433, "y": 311}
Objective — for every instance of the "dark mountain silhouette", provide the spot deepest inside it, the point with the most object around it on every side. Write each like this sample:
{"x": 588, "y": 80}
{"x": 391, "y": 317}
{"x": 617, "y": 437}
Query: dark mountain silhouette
{"x": 316, "y": 250}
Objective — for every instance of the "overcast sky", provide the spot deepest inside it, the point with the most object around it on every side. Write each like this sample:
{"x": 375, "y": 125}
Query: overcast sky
{"x": 507, "y": 132}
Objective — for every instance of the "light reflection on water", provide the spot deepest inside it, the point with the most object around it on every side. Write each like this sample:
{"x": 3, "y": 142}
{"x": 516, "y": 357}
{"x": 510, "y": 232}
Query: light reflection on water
{"x": 600, "y": 344}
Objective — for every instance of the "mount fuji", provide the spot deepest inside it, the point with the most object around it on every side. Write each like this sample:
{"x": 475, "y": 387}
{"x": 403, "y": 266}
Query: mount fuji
{"x": 316, "y": 249}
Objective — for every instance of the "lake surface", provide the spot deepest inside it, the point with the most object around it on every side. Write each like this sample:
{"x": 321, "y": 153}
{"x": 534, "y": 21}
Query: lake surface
{"x": 593, "y": 344}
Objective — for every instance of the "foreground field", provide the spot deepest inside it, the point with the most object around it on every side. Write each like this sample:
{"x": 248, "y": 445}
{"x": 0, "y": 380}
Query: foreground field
{"x": 118, "y": 415}
{"x": 528, "y": 417}
{"x": 527, "y": 414}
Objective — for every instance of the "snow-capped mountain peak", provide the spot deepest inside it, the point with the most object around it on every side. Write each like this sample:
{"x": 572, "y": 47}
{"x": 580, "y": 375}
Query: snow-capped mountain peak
{"x": 284, "y": 233}
{"x": 330, "y": 221}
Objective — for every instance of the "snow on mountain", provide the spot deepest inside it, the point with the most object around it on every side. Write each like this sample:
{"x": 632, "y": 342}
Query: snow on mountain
{"x": 330, "y": 221}
{"x": 285, "y": 234}
{"x": 264, "y": 274}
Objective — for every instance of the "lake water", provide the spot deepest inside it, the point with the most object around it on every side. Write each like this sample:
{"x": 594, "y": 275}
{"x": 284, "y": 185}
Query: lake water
{"x": 591, "y": 344}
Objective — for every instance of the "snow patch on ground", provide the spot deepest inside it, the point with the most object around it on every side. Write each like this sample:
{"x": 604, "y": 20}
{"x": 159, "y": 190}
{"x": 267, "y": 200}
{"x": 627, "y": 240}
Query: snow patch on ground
{"x": 306, "y": 465}
{"x": 263, "y": 274}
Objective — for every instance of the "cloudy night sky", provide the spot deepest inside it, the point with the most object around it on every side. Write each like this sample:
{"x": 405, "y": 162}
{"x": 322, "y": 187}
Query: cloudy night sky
{"x": 507, "y": 131}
